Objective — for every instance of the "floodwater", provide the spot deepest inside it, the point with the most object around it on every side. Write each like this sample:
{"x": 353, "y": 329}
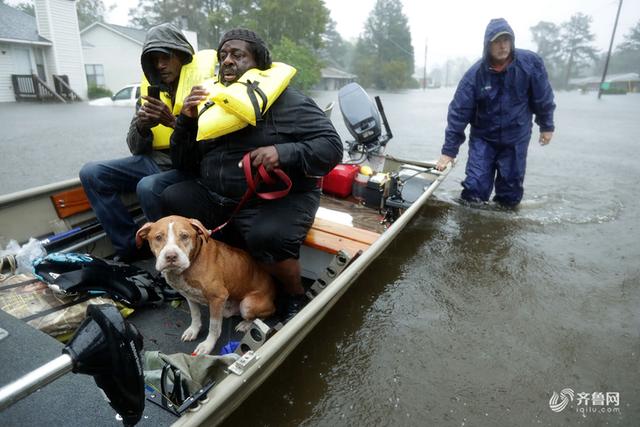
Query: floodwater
{"x": 471, "y": 317}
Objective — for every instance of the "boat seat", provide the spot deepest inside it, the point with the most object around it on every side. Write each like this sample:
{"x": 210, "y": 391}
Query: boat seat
{"x": 325, "y": 235}
{"x": 331, "y": 237}
{"x": 70, "y": 202}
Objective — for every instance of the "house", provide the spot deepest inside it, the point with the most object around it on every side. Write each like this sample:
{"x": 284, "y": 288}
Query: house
{"x": 41, "y": 56}
{"x": 333, "y": 78}
{"x": 112, "y": 54}
{"x": 628, "y": 82}
{"x": 47, "y": 47}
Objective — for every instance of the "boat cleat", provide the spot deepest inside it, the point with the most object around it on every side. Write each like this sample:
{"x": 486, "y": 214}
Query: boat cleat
{"x": 339, "y": 262}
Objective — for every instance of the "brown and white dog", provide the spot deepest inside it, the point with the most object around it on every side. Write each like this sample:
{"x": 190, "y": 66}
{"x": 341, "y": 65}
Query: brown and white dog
{"x": 206, "y": 271}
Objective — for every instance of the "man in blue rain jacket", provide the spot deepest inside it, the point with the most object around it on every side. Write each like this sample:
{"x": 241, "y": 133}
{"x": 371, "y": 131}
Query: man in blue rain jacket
{"x": 498, "y": 96}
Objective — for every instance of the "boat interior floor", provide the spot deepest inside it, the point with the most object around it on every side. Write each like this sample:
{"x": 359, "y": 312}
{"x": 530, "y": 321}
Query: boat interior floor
{"x": 161, "y": 327}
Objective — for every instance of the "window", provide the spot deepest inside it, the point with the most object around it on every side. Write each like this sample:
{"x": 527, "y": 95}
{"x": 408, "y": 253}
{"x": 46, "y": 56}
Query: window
{"x": 95, "y": 74}
{"x": 123, "y": 94}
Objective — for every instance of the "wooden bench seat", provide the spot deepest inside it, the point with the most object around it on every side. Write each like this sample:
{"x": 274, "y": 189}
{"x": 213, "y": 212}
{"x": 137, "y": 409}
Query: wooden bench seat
{"x": 70, "y": 202}
{"x": 331, "y": 237}
{"x": 324, "y": 235}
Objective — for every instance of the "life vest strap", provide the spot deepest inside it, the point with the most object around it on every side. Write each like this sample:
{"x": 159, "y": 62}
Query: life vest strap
{"x": 253, "y": 89}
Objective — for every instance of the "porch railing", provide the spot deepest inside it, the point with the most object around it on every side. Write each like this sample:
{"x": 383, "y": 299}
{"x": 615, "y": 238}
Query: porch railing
{"x": 29, "y": 87}
{"x": 61, "y": 84}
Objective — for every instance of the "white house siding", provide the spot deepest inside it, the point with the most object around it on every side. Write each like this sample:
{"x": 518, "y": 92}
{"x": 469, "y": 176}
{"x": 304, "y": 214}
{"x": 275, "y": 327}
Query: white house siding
{"x": 6, "y": 69}
{"x": 58, "y": 22}
{"x": 119, "y": 56}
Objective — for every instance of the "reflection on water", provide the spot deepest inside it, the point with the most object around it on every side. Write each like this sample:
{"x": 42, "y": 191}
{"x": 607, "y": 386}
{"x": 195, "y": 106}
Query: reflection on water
{"x": 596, "y": 208}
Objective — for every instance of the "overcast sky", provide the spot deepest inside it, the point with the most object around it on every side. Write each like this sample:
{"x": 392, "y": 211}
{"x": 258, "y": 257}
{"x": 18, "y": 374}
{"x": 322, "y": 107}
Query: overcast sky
{"x": 454, "y": 28}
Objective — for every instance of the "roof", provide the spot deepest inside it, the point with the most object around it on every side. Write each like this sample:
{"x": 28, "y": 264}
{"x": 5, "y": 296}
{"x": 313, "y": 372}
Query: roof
{"x": 134, "y": 34}
{"x": 626, "y": 77}
{"x": 16, "y": 25}
{"x": 335, "y": 73}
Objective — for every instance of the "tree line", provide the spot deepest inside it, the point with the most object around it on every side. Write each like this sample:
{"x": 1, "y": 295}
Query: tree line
{"x": 298, "y": 32}
{"x": 568, "y": 50}
{"x": 302, "y": 33}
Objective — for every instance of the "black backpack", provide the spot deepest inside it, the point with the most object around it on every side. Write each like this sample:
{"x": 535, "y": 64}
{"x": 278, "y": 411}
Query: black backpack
{"x": 70, "y": 273}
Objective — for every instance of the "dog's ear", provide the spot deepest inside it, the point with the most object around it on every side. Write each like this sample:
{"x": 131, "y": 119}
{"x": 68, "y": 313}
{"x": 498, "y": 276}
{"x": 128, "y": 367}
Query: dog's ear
{"x": 143, "y": 233}
{"x": 200, "y": 228}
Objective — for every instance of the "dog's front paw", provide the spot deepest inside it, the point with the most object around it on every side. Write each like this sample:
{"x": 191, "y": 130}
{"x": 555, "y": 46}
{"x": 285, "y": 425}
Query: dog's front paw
{"x": 205, "y": 347}
{"x": 191, "y": 333}
{"x": 244, "y": 326}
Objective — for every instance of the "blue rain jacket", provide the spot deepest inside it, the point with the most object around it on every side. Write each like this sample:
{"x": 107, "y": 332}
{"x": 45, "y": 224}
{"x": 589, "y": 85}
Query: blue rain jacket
{"x": 500, "y": 105}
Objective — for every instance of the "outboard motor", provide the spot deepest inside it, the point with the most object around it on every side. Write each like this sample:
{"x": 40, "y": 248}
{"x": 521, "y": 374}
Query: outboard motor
{"x": 363, "y": 119}
{"x": 105, "y": 347}
{"x": 359, "y": 113}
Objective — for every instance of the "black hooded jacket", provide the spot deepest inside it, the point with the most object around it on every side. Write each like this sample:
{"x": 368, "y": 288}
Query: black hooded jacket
{"x": 307, "y": 143}
{"x": 166, "y": 38}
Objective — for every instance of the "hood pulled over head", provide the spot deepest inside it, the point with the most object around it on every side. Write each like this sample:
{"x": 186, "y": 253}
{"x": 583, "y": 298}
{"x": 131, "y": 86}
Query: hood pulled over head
{"x": 496, "y": 28}
{"x": 165, "y": 38}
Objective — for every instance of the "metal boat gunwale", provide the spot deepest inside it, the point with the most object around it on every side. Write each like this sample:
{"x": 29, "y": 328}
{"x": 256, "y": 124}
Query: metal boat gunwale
{"x": 224, "y": 397}
{"x": 230, "y": 392}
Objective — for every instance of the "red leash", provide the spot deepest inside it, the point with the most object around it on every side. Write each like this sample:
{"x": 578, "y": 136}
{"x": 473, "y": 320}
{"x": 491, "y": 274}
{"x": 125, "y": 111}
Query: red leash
{"x": 252, "y": 184}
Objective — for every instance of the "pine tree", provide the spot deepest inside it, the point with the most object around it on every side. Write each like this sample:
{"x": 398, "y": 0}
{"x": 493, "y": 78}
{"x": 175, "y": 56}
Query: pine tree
{"x": 384, "y": 54}
{"x": 577, "y": 45}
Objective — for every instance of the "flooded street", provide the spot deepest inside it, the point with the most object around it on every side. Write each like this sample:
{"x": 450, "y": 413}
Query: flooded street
{"x": 471, "y": 317}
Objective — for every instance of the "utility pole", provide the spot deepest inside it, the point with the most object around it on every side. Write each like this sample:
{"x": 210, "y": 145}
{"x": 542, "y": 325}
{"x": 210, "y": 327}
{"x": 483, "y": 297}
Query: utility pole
{"x": 606, "y": 64}
{"x": 424, "y": 74}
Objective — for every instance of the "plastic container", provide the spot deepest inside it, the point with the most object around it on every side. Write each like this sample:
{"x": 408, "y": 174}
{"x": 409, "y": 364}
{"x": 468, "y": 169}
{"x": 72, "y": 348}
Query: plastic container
{"x": 339, "y": 181}
{"x": 359, "y": 186}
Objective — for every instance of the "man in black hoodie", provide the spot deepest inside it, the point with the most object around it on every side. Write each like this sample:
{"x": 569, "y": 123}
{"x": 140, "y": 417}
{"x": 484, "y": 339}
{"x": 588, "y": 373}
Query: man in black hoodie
{"x": 164, "y": 53}
{"x": 294, "y": 135}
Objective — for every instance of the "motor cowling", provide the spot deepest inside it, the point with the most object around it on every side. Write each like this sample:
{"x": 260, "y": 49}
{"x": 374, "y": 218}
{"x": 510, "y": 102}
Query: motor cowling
{"x": 108, "y": 348}
{"x": 360, "y": 114}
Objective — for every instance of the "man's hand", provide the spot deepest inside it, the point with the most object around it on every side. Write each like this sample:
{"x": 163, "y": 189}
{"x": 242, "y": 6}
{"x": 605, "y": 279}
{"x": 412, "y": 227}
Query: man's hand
{"x": 154, "y": 112}
{"x": 191, "y": 102}
{"x": 266, "y": 156}
{"x": 545, "y": 138}
{"x": 443, "y": 161}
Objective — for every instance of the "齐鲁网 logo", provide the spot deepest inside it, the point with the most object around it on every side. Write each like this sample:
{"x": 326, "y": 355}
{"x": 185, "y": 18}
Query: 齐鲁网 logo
{"x": 560, "y": 401}
{"x": 594, "y": 402}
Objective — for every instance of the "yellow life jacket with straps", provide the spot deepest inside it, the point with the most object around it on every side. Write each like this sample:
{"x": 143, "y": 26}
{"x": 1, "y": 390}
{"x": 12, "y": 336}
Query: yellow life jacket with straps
{"x": 201, "y": 67}
{"x": 231, "y": 108}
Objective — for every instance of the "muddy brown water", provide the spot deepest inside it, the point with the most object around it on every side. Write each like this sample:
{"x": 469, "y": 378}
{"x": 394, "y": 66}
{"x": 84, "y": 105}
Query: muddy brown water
{"x": 471, "y": 317}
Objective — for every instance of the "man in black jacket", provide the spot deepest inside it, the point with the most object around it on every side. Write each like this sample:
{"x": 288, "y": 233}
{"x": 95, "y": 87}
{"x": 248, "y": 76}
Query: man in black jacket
{"x": 164, "y": 52}
{"x": 294, "y": 136}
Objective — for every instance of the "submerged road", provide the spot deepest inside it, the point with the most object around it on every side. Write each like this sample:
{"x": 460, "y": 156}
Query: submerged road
{"x": 471, "y": 317}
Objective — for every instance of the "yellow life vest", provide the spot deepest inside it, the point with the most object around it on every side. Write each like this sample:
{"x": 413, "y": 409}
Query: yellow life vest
{"x": 255, "y": 91}
{"x": 194, "y": 73}
{"x": 213, "y": 120}
{"x": 231, "y": 108}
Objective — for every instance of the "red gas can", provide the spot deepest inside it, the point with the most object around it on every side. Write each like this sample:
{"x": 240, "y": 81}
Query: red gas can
{"x": 340, "y": 180}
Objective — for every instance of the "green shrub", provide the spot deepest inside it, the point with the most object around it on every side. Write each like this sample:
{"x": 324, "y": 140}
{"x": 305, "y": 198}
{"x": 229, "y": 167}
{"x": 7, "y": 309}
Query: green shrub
{"x": 98, "y": 92}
